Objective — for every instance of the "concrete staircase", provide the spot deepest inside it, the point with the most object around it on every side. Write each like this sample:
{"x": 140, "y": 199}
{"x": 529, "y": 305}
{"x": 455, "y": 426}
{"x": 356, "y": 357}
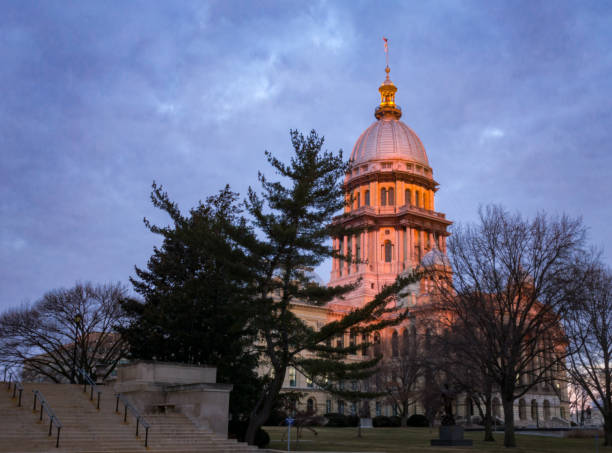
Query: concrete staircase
{"x": 88, "y": 430}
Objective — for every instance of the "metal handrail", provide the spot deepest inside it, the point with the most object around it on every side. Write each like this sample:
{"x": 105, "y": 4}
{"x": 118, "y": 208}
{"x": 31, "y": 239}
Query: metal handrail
{"x": 139, "y": 418}
{"x": 52, "y": 417}
{"x": 88, "y": 380}
{"x": 17, "y": 386}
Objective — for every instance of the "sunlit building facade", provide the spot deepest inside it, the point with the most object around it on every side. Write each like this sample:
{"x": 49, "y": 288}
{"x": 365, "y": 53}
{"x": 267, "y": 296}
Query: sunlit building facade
{"x": 390, "y": 194}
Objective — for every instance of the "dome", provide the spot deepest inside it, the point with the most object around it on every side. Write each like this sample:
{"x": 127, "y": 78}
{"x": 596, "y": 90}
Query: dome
{"x": 435, "y": 258}
{"x": 389, "y": 138}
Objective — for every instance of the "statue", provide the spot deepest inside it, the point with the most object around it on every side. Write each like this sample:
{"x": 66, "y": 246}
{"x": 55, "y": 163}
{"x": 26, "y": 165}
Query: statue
{"x": 447, "y": 399}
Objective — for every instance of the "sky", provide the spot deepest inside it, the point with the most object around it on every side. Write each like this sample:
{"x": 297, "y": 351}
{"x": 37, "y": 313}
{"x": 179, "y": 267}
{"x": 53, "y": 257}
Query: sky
{"x": 512, "y": 100}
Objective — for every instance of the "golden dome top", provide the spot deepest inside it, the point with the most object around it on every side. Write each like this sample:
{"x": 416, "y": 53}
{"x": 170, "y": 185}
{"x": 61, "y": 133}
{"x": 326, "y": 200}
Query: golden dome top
{"x": 387, "y": 106}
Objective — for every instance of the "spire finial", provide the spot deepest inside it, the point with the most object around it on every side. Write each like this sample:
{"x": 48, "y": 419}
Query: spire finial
{"x": 387, "y": 90}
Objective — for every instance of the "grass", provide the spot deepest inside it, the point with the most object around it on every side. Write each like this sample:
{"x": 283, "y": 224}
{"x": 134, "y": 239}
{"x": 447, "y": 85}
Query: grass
{"x": 413, "y": 440}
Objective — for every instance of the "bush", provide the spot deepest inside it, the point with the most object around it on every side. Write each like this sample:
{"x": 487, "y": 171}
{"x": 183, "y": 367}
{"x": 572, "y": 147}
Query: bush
{"x": 237, "y": 430}
{"x": 276, "y": 418}
{"x": 380, "y": 421}
{"x": 417, "y": 421}
{"x": 352, "y": 420}
{"x": 335, "y": 420}
{"x": 395, "y": 421}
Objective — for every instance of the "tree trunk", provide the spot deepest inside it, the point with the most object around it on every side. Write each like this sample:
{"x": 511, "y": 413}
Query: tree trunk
{"x": 488, "y": 429}
{"x": 509, "y": 437}
{"x": 608, "y": 430}
{"x": 262, "y": 411}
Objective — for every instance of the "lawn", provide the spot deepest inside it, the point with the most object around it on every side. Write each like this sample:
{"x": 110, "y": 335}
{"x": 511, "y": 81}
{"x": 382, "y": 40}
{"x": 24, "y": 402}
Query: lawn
{"x": 412, "y": 440}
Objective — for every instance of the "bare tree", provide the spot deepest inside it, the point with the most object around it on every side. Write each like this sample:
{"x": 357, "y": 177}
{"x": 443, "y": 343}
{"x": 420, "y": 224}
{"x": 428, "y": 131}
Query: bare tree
{"x": 403, "y": 370}
{"x": 588, "y": 326}
{"x": 505, "y": 296}
{"x": 65, "y": 331}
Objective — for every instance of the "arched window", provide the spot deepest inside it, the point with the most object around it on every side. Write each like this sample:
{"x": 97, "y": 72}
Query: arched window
{"x": 394, "y": 344}
{"x": 358, "y": 249}
{"x": 405, "y": 342}
{"x": 522, "y": 409}
{"x": 546, "y": 410}
{"x": 377, "y": 343}
{"x": 364, "y": 343}
{"x": 367, "y": 198}
{"x": 357, "y": 199}
{"x": 310, "y": 406}
{"x": 391, "y": 197}
{"x": 534, "y": 410}
{"x": 383, "y": 197}
{"x": 417, "y": 198}
{"x": 388, "y": 250}
{"x": 408, "y": 197}
{"x": 496, "y": 408}
{"x": 353, "y": 337}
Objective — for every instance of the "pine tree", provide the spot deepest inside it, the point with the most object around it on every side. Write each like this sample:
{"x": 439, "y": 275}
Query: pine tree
{"x": 294, "y": 217}
{"x": 195, "y": 293}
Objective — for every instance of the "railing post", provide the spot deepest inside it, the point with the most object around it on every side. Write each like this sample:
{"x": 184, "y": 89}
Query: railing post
{"x": 20, "y": 392}
{"x": 146, "y": 436}
{"x": 34, "y": 408}
{"x": 98, "y": 406}
{"x": 117, "y": 405}
{"x": 58, "y": 434}
{"x": 14, "y": 390}
{"x": 137, "y": 420}
{"x": 125, "y": 414}
{"x": 50, "y": 425}
{"x": 91, "y": 394}
{"x": 42, "y": 405}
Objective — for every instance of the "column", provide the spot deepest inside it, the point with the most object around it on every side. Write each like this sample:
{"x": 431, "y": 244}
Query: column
{"x": 354, "y": 252}
{"x": 344, "y": 250}
{"x": 397, "y": 252}
{"x": 366, "y": 250}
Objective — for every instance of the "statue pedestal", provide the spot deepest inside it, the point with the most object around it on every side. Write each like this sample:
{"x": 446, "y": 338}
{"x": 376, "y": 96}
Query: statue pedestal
{"x": 365, "y": 423}
{"x": 451, "y": 436}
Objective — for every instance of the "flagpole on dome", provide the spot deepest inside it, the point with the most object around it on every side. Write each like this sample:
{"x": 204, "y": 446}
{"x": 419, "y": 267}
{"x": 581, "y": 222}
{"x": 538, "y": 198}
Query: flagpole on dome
{"x": 386, "y": 50}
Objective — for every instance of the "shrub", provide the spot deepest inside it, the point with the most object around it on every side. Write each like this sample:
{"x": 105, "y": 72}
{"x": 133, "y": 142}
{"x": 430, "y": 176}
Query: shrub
{"x": 335, "y": 420}
{"x": 237, "y": 430}
{"x": 417, "y": 421}
{"x": 381, "y": 421}
{"x": 276, "y": 418}
{"x": 395, "y": 421}
{"x": 352, "y": 420}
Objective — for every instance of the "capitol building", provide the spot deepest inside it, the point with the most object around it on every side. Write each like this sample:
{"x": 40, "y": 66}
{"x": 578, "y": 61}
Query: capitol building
{"x": 390, "y": 191}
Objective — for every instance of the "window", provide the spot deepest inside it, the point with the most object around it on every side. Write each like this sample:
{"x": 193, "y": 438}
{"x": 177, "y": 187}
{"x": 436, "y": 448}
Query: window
{"x": 349, "y": 250}
{"x": 364, "y": 344}
{"x": 357, "y": 198}
{"x": 391, "y": 197}
{"x": 366, "y": 199}
{"x": 292, "y": 377}
{"x": 340, "y": 341}
{"x": 340, "y": 407}
{"x": 394, "y": 344}
{"x": 386, "y": 165}
{"x": 378, "y": 409}
{"x": 310, "y": 406}
{"x": 534, "y": 410}
{"x": 353, "y": 337}
{"x": 353, "y": 408}
{"x": 309, "y": 383}
{"x": 388, "y": 250}
{"x": 328, "y": 406}
{"x": 358, "y": 249}
{"x": 376, "y": 343}
{"x": 395, "y": 410}
{"x": 405, "y": 342}
{"x": 417, "y": 198}
{"x": 383, "y": 197}
{"x": 408, "y": 197}
{"x": 522, "y": 410}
